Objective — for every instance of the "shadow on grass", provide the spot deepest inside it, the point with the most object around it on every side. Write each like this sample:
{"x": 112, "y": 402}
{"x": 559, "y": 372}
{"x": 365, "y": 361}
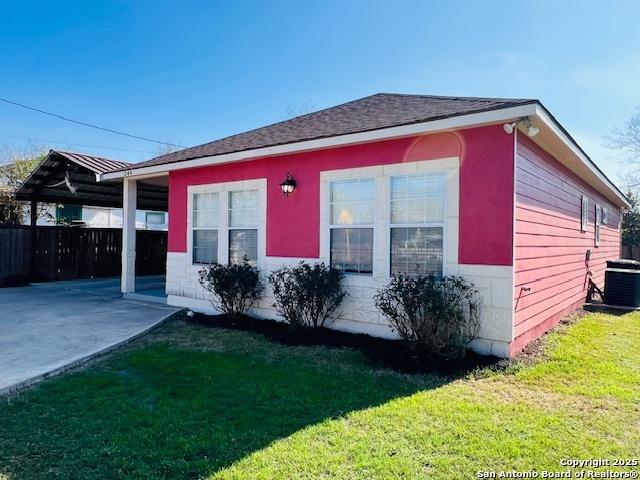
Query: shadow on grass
{"x": 169, "y": 411}
{"x": 381, "y": 353}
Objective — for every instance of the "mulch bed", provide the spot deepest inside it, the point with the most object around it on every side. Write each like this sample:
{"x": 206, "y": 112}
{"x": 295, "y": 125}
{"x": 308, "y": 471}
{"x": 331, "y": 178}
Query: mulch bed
{"x": 393, "y": 354}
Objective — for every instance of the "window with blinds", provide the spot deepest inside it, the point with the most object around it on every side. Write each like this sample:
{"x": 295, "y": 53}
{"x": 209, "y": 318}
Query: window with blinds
{"x": 205, "y": 228}
{"x": 351, "y": 225}
{"x": 417, "y": 224}
{"x": 243, "y": 226}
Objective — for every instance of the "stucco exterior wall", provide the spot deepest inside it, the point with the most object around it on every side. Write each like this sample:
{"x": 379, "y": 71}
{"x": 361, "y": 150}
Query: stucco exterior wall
{"x": 486, "y": 212}
{"x": 478, "y": 235}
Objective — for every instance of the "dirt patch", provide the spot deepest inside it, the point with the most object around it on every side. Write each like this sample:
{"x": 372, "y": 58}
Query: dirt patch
{"x": 537, "y": 349}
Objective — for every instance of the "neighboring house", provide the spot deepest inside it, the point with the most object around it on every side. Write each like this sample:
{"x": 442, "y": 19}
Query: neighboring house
{"x": 397, "y": 183}
{"x": 99, "y": 217}
{"x": 66, "y": 187}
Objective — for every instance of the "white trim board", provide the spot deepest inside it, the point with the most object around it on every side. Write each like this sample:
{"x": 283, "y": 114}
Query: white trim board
{"x": 381, "y": 175}
{"x": 503, "y": 115}
{"x": 474, "y": 119}
{"x": 223, "y": 189}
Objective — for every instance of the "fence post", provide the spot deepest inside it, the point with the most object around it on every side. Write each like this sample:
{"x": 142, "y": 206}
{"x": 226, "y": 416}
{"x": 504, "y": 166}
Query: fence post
{"x": 33, "y": 214}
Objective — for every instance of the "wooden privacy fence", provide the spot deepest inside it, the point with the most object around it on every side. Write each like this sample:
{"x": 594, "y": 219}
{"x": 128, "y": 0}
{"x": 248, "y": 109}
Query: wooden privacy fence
{"x": 630, "y": 252}
{"x": 65, "y": 253}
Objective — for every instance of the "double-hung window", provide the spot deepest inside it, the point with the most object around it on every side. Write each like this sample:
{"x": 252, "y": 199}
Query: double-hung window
{"x": 205, "y": 227}
{"x": 417, "y": 223}
{"x": 351, "y": 225}
{"x": 243, "y": 226}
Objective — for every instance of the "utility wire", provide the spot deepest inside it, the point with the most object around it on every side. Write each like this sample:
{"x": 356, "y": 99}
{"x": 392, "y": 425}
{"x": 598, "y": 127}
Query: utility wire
{"x": 88, "y": 124}
{"x": 74, "y": 144}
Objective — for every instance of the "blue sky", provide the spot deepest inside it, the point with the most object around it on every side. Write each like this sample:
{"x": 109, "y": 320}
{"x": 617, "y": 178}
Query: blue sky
{"x": 189, "y": 72}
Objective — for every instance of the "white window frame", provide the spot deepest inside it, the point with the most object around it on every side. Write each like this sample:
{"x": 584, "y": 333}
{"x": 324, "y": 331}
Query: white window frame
{"x": 146, "y": 218}
{"x": 193, "y": 228}
{"x": 584, "y": 213}
{"x": 605, "y": 215}
{"x": 244, "y": 227}
{"x": 420, "y": 225}
{"x": 382, "y": 231}
{"x": 337, "y": 226}
{"x": 224, "y": 190}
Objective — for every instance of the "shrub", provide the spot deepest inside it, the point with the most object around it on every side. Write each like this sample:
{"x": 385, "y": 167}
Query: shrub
{"x": 436, "y": 316}
{"x": 307, "y": 295}
{"x": 234, "y": 288}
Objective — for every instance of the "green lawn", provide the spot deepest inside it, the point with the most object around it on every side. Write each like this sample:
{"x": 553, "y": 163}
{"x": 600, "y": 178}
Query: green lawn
{"x": 194, "y": 402}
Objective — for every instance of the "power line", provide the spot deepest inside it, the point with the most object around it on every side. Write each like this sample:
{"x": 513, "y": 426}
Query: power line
{"x": 88, "y": 124}
{"x": 75, "y": 144}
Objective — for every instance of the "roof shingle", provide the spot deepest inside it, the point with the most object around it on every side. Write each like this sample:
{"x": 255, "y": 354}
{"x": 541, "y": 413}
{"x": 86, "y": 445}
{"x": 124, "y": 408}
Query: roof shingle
{"x": 382, "y": 110}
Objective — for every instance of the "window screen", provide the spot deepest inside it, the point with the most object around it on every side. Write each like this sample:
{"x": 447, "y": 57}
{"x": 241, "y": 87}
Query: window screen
{"x": 205, "y": 246}
{"x": 205, "y": 210}
{"x": 352, "y": 249}
{"x": 243, "y": 242}
{"x": 243, "y": 208}
{"x": 417, "y": 250}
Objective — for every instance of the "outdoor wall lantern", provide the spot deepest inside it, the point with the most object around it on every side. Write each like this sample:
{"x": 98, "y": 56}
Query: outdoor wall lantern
{"x": 288, "y": 186}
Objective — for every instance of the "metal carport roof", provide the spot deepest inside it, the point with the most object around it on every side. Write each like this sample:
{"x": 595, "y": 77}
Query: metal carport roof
{"x": 61, "y": 172}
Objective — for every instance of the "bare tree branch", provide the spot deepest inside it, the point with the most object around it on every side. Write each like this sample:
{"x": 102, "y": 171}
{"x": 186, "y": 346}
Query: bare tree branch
{"x": 626, "y": 139}
{"x": 15, "y": 166}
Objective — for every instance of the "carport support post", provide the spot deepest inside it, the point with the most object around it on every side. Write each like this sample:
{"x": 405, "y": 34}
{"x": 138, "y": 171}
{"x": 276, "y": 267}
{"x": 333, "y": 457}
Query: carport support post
{"x": 129, "y": 201}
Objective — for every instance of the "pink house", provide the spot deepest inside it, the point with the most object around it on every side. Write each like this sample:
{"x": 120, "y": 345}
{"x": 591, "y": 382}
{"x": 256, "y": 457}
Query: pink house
{"x": 493, "y": 190}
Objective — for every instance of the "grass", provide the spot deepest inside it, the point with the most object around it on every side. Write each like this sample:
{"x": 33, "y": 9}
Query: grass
{"x": 193, "y": 402}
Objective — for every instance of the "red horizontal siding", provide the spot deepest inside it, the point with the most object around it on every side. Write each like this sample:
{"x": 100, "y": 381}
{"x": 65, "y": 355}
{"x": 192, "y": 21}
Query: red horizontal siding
{"x": 551, "y": 272}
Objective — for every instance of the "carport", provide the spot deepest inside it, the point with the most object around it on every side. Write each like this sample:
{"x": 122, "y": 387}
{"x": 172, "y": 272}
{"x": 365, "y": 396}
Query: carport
{"x": 73, "y": 178}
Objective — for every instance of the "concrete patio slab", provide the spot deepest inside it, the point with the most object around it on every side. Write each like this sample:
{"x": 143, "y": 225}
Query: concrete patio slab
{"x": 49, "y": 327}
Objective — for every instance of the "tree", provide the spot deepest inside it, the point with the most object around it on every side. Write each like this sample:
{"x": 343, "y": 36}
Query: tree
{"x": 631, "y": 221}
{"x": 15, "y": 166}
{"x": 293, "y": 112}
{"x": 165, "y": 148}
{"x": 626, "y": 140}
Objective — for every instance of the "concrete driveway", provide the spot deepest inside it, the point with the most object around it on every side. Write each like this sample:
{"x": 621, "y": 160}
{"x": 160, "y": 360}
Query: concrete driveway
{"x": 48, "y": 327}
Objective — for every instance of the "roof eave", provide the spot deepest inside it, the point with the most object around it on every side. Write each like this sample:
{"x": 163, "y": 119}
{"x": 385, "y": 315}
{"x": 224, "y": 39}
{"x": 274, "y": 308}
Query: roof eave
{"x": 432, "y": 126}
{"x": 560, "y": 132}
{"x": 500, "y": 115}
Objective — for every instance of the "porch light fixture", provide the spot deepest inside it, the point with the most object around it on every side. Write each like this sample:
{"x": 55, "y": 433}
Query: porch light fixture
{"x": 531, "y": 130}
{"x": 288, "y": 186}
